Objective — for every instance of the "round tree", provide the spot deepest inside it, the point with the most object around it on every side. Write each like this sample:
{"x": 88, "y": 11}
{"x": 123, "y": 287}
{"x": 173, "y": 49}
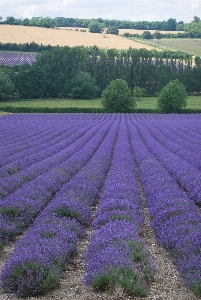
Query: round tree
{"x": 112, "y": 30}
{"x": 147, "y": 35}
{"x": 172, "y": 98}
{"x": 117, "y": 97}
{"x": 95, "y": 27}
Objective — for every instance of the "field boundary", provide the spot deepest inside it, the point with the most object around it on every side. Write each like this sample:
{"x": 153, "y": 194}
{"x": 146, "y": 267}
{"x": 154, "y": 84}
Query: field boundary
{"x": 10, "y": 109}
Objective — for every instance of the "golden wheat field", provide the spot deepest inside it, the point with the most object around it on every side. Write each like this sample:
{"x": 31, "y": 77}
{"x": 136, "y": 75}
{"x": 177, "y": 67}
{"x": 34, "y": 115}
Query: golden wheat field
{"x": 65, "y": 37}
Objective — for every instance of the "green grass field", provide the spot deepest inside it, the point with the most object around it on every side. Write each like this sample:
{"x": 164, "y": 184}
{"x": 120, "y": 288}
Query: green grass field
{"x": 191, "y": 46}
{"x": 194, "y": 102}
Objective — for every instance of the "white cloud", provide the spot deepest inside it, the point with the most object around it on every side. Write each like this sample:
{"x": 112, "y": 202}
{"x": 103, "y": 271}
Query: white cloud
{"x": 134, "y": 10}
{"x": 195, "y": 4}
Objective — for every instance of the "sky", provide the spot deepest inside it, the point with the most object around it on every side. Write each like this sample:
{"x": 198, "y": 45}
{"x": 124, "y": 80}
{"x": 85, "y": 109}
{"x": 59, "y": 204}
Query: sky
{"x": 133, "y": 10}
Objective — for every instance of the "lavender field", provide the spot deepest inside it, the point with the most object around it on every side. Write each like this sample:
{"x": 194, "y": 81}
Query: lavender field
{"x": 61, "y": 174}
{"x": 14, "y": 58}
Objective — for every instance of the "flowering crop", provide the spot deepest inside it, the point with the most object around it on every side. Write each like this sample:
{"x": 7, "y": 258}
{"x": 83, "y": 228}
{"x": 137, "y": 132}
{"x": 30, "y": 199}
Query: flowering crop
{"x": 13, "y": 59}
{"x": 26, "y": 169}
{"x": 22, "y": 206}
{"x": 175, "y": 218}
{"x": 183, "y": 166}
{"x": 55, "y": 167}
{"x": 57, "y": 228}
{"x": 47, "y": 138}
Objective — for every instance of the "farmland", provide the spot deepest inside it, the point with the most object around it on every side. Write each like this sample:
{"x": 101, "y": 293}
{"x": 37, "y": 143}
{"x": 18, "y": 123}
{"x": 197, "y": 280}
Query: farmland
{"x": 13, "y": 58}
{"x": 191, "y": 46}
{"x": 64, "y": 37}
{"x": 68, "y": 36}
{"x": 105, "y": 181}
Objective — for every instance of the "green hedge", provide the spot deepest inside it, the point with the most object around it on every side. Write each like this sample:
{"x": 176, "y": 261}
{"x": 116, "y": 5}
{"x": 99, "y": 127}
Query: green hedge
{"x": 50, "y": 110}
{"x": 83, "y": 110}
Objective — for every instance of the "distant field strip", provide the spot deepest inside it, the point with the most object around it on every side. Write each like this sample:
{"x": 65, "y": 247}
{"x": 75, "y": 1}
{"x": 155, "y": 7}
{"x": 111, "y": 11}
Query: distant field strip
{"x": 13, "y": 58}
{"x": 191, "y": 46}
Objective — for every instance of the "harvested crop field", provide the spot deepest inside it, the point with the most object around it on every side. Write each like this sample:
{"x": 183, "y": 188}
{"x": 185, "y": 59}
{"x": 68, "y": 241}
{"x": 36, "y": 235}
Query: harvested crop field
{"x": 106, "y": 202}
{"x": 24, "y": 34}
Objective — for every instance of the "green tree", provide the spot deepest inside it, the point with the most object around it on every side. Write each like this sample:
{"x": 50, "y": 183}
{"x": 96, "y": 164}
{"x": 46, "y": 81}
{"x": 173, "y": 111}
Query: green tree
{"x": 172, "y": 98}
{"x": 117, "y": 97}
{"x": 25, "y": 22}
{"x": 112, "y": 30}
{"x": 171, "y": 24}
{"x": 96, "y": 27}
{"x": 30, "y": 83}
{"x": 138, "y": 92}
{"x": 196, "y": 19}
{"x": 146, "y": 35}
{"x": 46, "y": 22}
{"x": 180, "y": 26}
{"x": 83, "y": 86}
{"x": 197, "y": 61}
{"x": 10, "y": 20}
{"x": 7, "y": 87}
{"x": 158, "y": 35}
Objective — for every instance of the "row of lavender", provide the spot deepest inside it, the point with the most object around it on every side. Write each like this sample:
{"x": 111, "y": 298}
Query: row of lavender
{"x": 116, "y": 250}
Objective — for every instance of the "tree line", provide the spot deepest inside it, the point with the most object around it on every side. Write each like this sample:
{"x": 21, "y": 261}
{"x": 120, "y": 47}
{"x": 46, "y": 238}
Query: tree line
{"x": 38, "y": 48}
{"x": 170, "y": 24}
{"x": 190, "y": 30}
{"x": 47, "y": 22}
{"x": 159, "y": 35}
{"x": 81, "y": 72}
{"x": 26, "y": 47}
